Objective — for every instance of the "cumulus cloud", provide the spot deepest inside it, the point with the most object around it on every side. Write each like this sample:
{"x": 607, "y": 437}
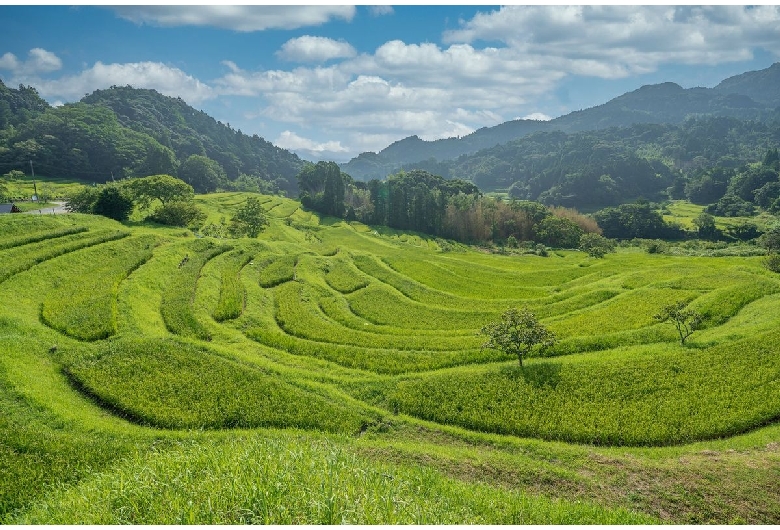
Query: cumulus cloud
{"x": 9, "y": 62}
{"x": 237, "y": 18}
{"x": 617, "y": 41}
{"x": 310, "y": 148}
{"x": 38, "y": 61}
{"x": 309, "y": 49}
{"x": 165, "y": 79}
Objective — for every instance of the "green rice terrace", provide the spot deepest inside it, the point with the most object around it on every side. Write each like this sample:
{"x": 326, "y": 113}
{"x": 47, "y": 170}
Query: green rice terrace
{"x": 331, "y": 372}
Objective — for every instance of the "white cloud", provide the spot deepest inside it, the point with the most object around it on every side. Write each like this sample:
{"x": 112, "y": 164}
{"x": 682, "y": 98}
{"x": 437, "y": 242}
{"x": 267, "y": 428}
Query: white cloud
{"x": 618, "y": 41}
{"x": 237, "y": 18}
{"x": 38, "y": 61}
{"x": 9, "y": 62}
{"x": 539, "y": 116}
{"x": 42, "y": 61}
{"x": 309, "y": 49}
{"x": 309, "y": 148}
{"x": 379, "y": 11}
{"x": 165, "y": 79}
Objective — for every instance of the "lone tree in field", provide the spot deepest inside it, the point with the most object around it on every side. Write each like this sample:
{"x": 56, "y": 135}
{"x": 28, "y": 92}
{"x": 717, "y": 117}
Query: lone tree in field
{"x": 684, "y": 319}
{"x": 249, "y": 220}
{"x": 517, "y": 333}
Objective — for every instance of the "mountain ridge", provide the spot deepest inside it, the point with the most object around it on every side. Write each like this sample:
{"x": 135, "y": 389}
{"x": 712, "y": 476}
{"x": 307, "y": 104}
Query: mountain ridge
{"x": 748, "y": 96}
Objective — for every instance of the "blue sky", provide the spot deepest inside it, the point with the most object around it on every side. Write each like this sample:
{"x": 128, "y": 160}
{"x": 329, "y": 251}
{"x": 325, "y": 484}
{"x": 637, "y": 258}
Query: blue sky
{"x": 330, "y": 82}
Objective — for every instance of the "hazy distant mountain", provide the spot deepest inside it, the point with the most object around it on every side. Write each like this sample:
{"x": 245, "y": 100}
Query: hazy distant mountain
{"x": 749, "y": 96}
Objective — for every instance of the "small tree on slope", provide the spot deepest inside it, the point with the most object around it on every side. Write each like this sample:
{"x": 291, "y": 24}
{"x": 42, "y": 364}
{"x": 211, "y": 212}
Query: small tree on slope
{"x": 684, "y": 319}
{"x": 517, "y": 333}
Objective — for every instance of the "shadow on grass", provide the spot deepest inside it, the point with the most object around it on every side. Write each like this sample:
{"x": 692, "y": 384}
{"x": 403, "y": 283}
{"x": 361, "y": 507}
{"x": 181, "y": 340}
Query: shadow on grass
{"x": 538, "y": 375}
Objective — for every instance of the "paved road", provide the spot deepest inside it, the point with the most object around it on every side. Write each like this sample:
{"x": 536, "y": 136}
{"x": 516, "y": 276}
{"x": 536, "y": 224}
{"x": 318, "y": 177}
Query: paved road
{"x": 59, "y": 208}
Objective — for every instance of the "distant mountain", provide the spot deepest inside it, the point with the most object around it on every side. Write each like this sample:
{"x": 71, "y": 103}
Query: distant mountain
{"x": 762, "y": 86}
{"x": 749, "y": 96}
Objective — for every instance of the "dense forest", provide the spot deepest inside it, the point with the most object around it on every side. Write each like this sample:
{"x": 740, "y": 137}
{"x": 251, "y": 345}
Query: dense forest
{"x": 125, "y": 132}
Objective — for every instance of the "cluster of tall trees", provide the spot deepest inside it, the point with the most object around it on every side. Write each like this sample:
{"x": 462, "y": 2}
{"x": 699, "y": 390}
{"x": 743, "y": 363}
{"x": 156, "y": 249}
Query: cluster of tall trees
{"x": 127, "y": 132}
{"x": 452, "y": 208}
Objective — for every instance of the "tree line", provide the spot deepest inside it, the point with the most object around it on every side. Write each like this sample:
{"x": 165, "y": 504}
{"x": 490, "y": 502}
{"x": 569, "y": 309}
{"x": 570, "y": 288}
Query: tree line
{"x": 450, "y": 208}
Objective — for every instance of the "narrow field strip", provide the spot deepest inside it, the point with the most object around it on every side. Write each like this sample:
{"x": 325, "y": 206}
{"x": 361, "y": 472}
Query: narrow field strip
{"x": 176, "y": 305}
{"x": 476, "y": 281}
{"x": 20, "y": 259}
{"x": 85, "y": 306}
{"x": 231, "y": 291}
{"x": 380, "y": 361}
{"x": 283, "y": 209}
{"x": 337, "y": 308}
{"x": 161, "y": 382}
{"x": 383, "y": 305}
{"x": 343, "y": 276}
{"x": 26, "y": 239}
{"x": 298, "y": 314}
{"x": 411, "y": 289}
{"x": 276, "y": 270}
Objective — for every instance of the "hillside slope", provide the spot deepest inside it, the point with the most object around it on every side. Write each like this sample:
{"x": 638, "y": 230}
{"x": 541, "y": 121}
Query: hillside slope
{"x": 188, "y": 131}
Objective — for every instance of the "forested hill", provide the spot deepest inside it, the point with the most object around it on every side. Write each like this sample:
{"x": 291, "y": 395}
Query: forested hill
{"x": 124, "y": 131}
{"x": 593, "y": 169}
{"x": 749, "y": 96}
{"x": 187, "y": 132}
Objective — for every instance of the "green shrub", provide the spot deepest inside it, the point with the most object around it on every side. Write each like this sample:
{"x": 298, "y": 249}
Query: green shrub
{"x": 595, "y": 245}
{"x": 772, "y": 262}
{"x": 178, "y": 213}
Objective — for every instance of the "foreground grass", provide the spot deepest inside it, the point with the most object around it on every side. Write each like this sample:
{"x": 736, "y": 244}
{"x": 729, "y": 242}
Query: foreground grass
{"x": 296, "y": 479}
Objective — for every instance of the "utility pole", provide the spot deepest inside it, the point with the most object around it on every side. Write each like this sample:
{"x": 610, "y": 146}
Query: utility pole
{"x": 35, "y": 188}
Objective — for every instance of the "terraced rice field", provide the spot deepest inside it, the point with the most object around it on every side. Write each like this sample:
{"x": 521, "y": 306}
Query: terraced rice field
{"x": 123, "y": 345}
